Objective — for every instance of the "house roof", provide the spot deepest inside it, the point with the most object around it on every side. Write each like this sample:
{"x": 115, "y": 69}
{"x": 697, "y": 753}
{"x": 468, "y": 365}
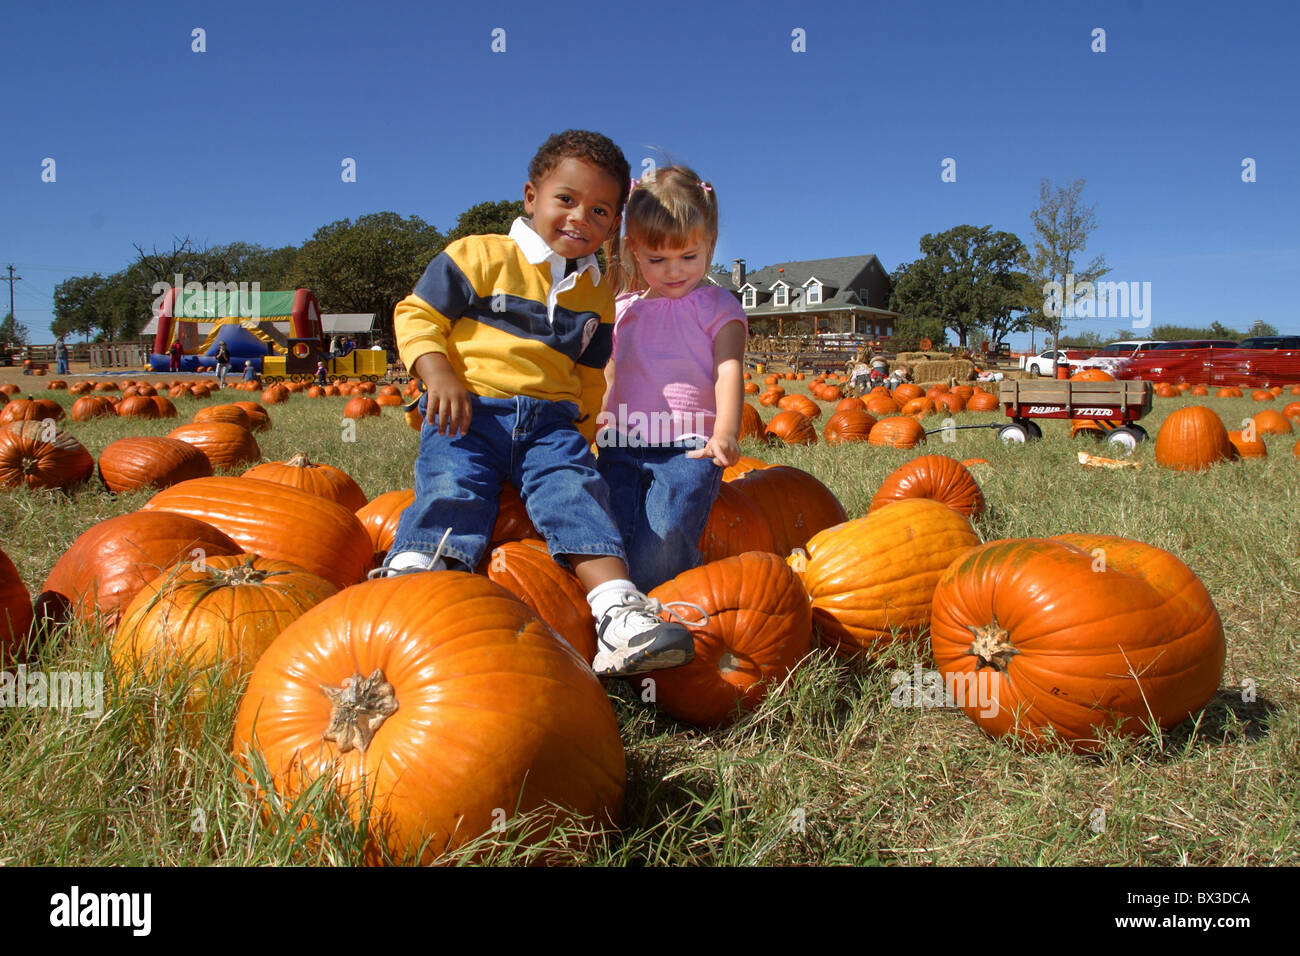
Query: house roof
{"x": 836, "y": 273}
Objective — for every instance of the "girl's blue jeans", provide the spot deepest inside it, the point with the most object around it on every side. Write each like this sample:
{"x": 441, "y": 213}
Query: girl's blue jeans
{"x": 662, "y": 501}
{"x": 533, "y": 443}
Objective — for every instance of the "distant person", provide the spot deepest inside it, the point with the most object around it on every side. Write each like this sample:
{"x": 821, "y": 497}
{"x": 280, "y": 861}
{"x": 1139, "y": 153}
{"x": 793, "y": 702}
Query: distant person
{"x": 223, "y": 363}
{"x": 334, "y": 346}
{"x": 176, "y": 351}
{"x": 250, "y": 373}
{"x": 61, "y": 356}
{"x": 350, "y": 346}
{"x": 322, "y": 375}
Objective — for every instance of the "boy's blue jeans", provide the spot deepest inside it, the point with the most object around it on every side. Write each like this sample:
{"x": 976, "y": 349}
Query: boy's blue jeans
{"x": 662, "y": 500}
{"x": 532, "y": 442}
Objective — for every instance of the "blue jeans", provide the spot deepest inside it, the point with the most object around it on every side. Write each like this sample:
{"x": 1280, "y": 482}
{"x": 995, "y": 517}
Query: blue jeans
{"x": 532, "y": 442}
{"x": 62, "y": 364}
{"x": 662, "y": 500}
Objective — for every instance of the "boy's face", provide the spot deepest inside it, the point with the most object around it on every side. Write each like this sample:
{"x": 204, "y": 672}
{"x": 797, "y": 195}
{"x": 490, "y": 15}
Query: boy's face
{"x": 574, "y": 208}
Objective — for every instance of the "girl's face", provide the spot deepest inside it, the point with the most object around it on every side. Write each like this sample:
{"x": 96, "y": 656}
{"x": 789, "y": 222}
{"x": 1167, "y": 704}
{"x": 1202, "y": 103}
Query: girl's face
{"x": 672, "y": 273}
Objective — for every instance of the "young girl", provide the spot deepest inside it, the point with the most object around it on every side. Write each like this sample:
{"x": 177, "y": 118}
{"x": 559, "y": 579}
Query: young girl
{"x": 672, "y": 411}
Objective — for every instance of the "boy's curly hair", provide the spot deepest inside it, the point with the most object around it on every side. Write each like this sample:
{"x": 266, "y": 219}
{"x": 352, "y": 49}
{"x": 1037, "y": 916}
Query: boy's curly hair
{"x": 591, "y": 147}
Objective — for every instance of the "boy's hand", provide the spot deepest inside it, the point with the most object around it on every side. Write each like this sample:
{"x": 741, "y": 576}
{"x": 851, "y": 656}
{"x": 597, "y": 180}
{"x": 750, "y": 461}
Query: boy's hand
{"x": 722, "y": 448}
{"x": 448, "y": 407}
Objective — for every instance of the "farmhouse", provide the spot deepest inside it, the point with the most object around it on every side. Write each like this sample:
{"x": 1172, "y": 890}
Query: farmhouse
{"x": 848, "y": 294}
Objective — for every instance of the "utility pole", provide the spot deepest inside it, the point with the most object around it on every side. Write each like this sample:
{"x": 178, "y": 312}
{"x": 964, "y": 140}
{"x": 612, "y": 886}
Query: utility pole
{"x": 11, "y": 280}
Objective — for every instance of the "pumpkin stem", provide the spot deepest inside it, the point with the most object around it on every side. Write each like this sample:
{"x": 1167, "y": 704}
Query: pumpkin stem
{"x": 359, "y": 709}
{"x": 992, "y": 647}
{"x": 299, "y": 460}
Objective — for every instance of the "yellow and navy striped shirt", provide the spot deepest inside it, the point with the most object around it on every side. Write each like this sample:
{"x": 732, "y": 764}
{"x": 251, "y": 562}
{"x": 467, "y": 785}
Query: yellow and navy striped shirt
{"x": 511, "y": 323}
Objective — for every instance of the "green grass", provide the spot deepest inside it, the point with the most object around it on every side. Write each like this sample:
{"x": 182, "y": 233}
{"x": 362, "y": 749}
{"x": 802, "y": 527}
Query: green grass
{"x": 825, "y": 772}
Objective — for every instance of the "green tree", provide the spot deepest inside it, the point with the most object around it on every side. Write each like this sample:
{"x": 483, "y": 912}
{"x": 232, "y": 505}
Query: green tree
{"x": 910, "y": 330}
{"x": 1260, "y": 327}
{"x": 487, "y": 218}
{"x": 968, "y": 278}
{"x": 1062, "y": 225}
{"x": 74, "y": 305}
{"x": 13, "y": 332}
{"x": 367, "y": 266}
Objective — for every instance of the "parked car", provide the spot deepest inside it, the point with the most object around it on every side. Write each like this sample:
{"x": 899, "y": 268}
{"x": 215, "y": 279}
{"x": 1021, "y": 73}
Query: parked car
{"x": 1044, "y": 363}
{"x": 1213, "y": 362}
{"x": 1180, "y": 344}
{"x": 1271, "y": 342}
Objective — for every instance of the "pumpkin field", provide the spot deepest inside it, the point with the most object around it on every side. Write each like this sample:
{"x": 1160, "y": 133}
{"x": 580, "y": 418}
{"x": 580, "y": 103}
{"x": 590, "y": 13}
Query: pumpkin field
{"x": 246, "y": 697}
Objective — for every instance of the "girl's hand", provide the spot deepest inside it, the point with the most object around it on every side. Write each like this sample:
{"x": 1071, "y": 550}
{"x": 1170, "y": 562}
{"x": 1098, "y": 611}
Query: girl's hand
{"x": 722, "y": 448}
{"x": 448, "y": 407}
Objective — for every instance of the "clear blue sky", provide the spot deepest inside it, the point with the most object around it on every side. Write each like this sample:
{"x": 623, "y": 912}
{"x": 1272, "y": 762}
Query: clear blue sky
{"x": 829, "y": 152}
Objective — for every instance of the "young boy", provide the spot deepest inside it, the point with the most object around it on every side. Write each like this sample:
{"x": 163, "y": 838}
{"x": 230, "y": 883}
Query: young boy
{"x": 511, "y": 335}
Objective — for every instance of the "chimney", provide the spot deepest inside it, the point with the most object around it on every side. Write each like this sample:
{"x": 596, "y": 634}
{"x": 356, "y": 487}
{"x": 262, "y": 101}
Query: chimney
{"x": 737, "y": 272}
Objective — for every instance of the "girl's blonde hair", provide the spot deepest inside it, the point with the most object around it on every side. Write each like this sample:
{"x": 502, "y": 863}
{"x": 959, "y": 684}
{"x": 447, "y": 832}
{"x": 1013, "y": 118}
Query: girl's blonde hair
{"x": 664, "y": 210}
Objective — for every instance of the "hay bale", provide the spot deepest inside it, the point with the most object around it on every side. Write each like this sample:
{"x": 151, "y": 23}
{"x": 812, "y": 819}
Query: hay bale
{"x": 962, "y": 370}
{"x": 911, "y": 358}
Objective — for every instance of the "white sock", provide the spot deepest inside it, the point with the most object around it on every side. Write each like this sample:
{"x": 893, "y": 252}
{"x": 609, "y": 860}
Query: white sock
{"x": 604, "y": 597}
{"x": 415, "y": 559}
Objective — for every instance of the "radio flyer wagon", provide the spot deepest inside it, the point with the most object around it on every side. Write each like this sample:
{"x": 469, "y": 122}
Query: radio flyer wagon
{"x": 1114, "y": 406}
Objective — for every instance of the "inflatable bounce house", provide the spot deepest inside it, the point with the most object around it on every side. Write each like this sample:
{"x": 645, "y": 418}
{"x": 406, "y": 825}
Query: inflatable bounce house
{"x": 202, "y": 319}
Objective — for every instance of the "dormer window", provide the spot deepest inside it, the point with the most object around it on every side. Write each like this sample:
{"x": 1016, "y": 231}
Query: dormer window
{"x": 749, "y": 299}
{"x": 781, "y": 295}
{"x": 814, "y": 295}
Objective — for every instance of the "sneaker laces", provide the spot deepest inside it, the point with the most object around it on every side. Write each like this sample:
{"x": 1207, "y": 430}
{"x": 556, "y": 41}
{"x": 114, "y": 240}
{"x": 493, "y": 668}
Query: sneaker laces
{"x": 653, "y": 608}
{"x": 384, "y": 571}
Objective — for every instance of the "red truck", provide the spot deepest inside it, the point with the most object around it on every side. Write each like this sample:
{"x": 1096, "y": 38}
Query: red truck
{"x": 1212, "y": 362}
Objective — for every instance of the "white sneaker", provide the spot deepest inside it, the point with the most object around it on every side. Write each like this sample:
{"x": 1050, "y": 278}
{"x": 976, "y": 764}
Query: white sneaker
{"x": 633, "y": 639}
{"x": 411, "y": 562}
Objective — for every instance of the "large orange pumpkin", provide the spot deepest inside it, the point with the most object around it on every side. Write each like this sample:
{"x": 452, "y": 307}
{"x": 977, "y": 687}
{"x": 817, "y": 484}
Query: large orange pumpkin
{"x": 871, "y": 579}
{"x": 440, "y": 703}
{"x": 109, "y": 563}
{"x": 302, "y": 473}
{"x": 982, "y": 401}
{"x": 276, "y": 521}
{"x": 527, "y": 570}
{"x": 792, "y": 428}
{"x": 226, "y": 445}
{"x": 15, "y": 612}
{"x": 35, "y": 454}
{"x": 1191, "y": 439}
{"x": 230, "y": 414}
{"x": 759, "y": 628}
{"x": 218, "y": 615}
{"x": 735, "y": 525}
{"x": 150, "y": 461}
{"x": 1076, "y": 636}
{"x": 1272, "y": 422}
{"x": 849, "y": 425}
{"x": 795, "y": 504}
{"x": 932, "y": 476}
{"x": 898, "y": 431}
{"x": 751, "y": 423}
{"x": 1248, "y": 449}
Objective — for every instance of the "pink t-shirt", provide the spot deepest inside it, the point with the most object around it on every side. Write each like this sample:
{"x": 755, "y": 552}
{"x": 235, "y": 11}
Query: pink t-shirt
{"x": 663, "y": 364}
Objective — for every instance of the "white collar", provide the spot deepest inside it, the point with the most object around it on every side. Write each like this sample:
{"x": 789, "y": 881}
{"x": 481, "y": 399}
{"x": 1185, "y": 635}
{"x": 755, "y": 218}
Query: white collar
{"x": 536, "y": 251}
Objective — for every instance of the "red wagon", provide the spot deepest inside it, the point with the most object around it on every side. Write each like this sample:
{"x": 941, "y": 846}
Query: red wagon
{"x": 1115, "y": 406}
